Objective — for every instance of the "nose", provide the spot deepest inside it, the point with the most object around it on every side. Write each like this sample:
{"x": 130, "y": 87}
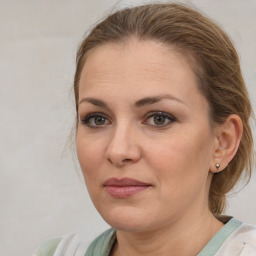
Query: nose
{"x": 123, "y": 147}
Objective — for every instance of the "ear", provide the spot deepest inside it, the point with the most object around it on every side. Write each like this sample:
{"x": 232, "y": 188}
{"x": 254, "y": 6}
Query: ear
{"x": 228, "y": 137}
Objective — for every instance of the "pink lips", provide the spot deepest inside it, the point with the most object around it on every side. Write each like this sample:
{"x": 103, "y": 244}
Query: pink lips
{"x": 125, "y": 187}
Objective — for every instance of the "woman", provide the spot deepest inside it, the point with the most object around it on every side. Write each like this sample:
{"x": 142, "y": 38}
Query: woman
{"x": 162, "y": 135}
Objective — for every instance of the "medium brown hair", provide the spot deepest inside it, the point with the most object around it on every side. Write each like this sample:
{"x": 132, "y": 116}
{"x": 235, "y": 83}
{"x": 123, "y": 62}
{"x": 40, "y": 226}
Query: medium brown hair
{"x": 216, "y": 65}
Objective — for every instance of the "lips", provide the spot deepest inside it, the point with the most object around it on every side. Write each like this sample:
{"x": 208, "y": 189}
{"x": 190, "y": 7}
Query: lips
{"x": 124, "y": 188}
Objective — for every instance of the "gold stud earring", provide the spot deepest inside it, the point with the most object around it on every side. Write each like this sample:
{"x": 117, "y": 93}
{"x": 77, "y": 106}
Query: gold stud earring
{"x": 217, "y": 167}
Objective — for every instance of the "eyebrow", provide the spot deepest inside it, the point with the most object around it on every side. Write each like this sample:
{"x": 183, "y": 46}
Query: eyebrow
{"x": 139, "y": 103}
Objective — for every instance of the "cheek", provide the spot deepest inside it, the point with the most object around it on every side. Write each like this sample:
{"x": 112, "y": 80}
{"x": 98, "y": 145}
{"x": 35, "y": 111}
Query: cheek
{"x": 90, "y": 155}
{"x": 181, "y": 169}
{"x": 184, "y": 154}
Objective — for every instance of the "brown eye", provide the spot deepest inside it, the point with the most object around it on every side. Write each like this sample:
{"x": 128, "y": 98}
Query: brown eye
{"x": 159, "y": 119}
{"x": 99, "y": 120}
{"x": 95, "y": 120}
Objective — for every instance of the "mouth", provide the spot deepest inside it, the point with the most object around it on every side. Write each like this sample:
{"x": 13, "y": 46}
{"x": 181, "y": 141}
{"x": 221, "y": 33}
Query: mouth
{"x": 125, "y": 187}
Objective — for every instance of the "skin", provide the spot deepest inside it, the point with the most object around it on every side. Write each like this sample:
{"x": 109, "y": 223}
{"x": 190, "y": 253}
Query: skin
{"x": 176, "y": 157}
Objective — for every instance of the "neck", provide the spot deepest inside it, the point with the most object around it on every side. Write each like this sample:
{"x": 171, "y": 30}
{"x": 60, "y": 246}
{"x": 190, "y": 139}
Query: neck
{"x": 184, "y": 237}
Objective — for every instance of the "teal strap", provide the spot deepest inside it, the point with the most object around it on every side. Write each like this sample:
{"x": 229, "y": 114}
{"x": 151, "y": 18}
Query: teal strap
{"x": 103, "y": 244}
{"x": 216, "y": 242}
{"x": 48, "y": 247}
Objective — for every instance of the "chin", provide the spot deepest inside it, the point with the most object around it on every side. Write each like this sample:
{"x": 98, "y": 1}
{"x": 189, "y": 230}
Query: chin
{"x": 127, "y": 218}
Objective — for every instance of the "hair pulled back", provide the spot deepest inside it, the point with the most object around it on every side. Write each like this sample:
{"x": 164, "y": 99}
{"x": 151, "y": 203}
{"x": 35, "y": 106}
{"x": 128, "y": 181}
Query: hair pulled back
{"x": 215, "y": 63}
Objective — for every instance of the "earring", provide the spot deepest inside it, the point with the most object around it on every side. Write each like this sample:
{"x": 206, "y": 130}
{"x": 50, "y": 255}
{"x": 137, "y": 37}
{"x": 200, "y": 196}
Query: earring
{"x": 217, "y": 167}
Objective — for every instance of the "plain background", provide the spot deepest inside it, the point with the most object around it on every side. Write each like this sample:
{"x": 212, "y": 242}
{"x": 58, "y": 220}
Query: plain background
{"x": 42, "y": 193}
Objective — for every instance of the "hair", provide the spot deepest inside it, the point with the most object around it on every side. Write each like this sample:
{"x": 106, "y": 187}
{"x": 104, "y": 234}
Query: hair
{"x": 216, "y": 65}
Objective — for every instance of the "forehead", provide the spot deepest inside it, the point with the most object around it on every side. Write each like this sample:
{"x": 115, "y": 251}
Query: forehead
{"x": 143, "y": 56}
{"x": 137, "y": 68}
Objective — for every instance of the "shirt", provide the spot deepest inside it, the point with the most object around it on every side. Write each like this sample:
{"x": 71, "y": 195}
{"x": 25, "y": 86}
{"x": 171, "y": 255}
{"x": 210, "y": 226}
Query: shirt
{"x": 233, "y": 239}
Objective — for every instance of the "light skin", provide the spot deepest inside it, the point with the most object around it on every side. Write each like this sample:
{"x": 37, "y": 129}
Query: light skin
{"x": 151, "y": 123}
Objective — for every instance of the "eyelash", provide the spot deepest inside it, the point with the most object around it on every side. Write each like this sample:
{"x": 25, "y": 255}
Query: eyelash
{"x": 169, "y": 117}
{"x": 86, "y": 120}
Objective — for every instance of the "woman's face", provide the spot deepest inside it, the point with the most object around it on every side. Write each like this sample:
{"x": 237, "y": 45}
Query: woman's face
{"x": 144, "y": 140}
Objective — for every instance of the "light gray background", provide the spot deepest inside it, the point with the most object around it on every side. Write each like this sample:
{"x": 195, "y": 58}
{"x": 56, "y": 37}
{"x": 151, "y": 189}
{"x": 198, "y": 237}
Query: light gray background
{"x": 42, "y": 194}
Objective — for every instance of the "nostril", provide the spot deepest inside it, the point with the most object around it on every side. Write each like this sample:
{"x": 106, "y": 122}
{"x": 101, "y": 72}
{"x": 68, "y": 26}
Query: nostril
{"x": 121, "y": 153}
{"x": 127, "y": 160}
{"x": 120, "y": 162}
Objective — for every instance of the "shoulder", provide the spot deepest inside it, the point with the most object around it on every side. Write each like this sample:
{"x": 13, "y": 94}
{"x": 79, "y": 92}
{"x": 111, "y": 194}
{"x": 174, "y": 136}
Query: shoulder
{"x": 73, "y": 244}
{"x": 63, "y": 246}
{"x": 47, "y": 248}
{"x": 246, "y": 235}
{"x": 241, "y": 242}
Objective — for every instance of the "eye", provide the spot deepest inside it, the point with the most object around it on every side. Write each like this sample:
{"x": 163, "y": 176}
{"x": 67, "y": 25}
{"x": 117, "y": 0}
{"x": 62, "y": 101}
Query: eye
{"x": 160, "y": 119}
{"x": 95, "y": 120}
